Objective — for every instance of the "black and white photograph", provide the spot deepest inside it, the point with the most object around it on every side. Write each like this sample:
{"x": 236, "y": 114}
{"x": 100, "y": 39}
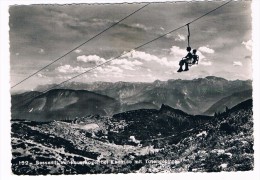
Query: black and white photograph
{"x": 131, "y": 88}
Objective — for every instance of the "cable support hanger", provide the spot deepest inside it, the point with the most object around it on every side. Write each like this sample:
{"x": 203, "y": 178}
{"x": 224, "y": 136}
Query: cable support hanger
{"x": 188, "y": 26}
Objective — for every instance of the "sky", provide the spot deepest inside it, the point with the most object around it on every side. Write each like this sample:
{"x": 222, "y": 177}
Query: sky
{"x": 39, "y": 34}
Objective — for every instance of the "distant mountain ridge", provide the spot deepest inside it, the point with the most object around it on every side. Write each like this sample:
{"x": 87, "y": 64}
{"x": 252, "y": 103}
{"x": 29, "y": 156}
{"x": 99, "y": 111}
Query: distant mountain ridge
{"x": 193, "y": 96}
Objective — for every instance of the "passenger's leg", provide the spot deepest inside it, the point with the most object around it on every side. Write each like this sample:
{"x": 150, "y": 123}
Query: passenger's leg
{"x": 186, "y": 66}
{"x": 181, "y": 64}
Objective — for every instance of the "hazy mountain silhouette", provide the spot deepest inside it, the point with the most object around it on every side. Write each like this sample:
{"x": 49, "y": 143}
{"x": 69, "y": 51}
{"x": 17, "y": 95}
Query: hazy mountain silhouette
{"x": 62, "y": 104}
{"x": 229, "y": 102}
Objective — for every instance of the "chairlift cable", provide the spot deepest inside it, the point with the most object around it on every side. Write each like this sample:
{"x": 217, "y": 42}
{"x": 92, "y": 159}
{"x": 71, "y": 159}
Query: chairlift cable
{"x": 101, "y": 64}
{"x": 79, "y": 46}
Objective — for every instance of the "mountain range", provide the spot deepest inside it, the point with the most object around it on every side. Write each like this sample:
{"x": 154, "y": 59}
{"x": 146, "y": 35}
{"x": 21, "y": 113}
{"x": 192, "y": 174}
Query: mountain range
{"x": 198, "y": 96}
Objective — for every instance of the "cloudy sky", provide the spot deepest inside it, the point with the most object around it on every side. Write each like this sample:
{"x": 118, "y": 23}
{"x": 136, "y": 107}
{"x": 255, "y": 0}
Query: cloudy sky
{"x": 40, "y": 34}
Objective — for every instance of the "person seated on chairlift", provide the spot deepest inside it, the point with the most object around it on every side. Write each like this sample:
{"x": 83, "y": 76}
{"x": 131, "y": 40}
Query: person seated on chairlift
{"x": 195, "y": 57}
{"x": 185, "y": 60}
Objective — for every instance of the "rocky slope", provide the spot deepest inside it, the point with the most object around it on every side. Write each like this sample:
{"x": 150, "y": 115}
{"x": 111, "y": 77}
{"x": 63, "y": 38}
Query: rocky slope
{"x": 164, "y": 140}
{"x": 225, "y": 144}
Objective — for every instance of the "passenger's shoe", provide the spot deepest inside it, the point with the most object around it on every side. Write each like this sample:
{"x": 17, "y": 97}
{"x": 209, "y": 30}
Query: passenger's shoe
{"x": 180, "y": 70}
